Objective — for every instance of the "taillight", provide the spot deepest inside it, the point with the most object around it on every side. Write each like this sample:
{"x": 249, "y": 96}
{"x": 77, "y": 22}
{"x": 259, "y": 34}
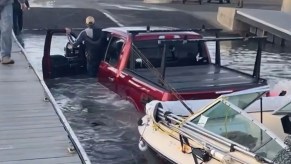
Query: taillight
{"x": 169, "y": 37}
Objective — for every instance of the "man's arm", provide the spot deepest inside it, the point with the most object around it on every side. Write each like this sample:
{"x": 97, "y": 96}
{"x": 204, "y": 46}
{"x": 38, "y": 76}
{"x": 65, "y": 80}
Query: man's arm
{"x": 81, "y": 37}
{"x": 22, "y": 4}
{"x": 27, "y": 3}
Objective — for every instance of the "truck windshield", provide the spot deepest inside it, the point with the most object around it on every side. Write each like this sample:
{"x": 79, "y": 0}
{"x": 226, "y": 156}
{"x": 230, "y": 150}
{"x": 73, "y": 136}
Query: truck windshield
{"x": 177, "y": 53}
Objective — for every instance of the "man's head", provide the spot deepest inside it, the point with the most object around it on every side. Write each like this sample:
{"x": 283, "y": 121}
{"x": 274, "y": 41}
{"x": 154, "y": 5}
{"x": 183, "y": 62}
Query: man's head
{"x": 90, "y": 21}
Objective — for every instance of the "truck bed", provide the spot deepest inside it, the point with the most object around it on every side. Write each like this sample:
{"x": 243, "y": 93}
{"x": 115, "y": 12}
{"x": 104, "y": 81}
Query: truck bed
{"x": 201, "y": 77}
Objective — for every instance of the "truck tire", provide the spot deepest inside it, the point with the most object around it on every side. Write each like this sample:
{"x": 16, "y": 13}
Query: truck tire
{"x": 59, "y": 66}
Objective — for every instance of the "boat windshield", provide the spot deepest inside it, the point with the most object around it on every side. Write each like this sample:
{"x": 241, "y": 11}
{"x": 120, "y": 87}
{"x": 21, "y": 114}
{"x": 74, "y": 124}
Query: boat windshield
{"x": 245, "y": 98}
{"x": 224, "y": 119}
{"x": 284, "y": 110}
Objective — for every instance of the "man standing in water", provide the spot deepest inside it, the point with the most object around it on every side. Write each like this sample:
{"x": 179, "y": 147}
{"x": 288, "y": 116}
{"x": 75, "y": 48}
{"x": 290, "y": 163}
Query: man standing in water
{"x": 92, "y": 37}
{"x": 6, "y": 21}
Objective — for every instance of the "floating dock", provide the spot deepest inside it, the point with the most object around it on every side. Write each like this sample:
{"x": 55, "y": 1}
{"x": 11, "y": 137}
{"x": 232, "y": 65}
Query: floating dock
{"x": 273, "y": 24}
{"x": 33, "y": 130}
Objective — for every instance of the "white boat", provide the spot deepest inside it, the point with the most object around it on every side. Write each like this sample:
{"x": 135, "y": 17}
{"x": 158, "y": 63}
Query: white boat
{"x": 218, "y": 131}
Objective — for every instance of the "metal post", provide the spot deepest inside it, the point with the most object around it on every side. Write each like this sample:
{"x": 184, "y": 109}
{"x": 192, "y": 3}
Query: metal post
{"x": 132, "y": 62}
{"x": 257, "y": 68}
{"x": 240, "y": 4}
{"x": 282, "y": 42}
{"x": 163, "y": 63}
{"x": 217, "y": 51}
{"x": 148, "y": 28}
{"x": 261, "y": 106}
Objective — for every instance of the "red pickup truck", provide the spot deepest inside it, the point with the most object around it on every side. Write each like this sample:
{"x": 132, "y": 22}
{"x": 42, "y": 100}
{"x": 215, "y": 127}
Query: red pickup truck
{"x": 162, "y": 63}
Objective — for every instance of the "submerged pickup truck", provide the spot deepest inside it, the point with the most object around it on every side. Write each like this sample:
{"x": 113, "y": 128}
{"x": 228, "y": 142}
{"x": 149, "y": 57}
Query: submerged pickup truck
{"x": 156, "y": 63}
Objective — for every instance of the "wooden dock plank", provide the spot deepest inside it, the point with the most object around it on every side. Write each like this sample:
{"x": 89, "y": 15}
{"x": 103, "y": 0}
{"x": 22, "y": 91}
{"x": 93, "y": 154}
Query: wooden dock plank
{"x": 36, "y": 153}
{"x": 32, "y": 144}
{"x": 63, "y": 160}
{"x": 23, "y": 113}
{"x": 49, "y": 139}
{"x": 43, "y": 125}
{"x": 28, "y": 119}
{"x": 30, "y": 129}
{"x": 28, "y": 114}
{"x": 32, "y": 133}
{"x": 18, "y": 106}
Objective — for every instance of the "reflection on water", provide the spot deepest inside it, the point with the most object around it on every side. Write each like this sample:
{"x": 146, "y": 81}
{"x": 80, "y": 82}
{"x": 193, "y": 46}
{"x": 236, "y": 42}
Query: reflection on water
{"x": 107, "y": 125}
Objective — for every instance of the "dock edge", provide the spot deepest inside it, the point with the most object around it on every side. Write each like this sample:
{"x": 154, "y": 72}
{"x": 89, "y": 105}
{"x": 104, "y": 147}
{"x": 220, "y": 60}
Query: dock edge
{"x": 71, "y": 134}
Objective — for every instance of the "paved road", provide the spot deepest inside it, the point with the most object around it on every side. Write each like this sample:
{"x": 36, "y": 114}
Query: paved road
{"x": 122, "y": 14}
{"x": 135, "y": 12}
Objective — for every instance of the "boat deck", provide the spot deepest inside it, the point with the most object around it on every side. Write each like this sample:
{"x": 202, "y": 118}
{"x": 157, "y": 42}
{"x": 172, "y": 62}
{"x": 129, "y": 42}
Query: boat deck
{"x": 31, "y": 129}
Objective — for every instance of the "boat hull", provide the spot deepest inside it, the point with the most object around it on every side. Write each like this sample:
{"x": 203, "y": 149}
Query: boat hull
{"x": 166, "y": 146}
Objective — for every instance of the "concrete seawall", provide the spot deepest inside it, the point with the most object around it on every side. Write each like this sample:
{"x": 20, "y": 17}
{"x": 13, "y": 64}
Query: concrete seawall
{"x": 286, "y": 6}
{"x": 226, "y": 17}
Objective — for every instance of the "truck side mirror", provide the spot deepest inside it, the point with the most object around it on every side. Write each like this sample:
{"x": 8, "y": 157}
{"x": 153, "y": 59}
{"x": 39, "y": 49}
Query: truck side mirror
{"x": 138, "y": 61}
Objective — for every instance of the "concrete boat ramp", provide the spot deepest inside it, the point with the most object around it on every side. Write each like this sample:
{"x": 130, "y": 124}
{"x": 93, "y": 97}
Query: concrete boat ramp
{"x": 33, "y": 130}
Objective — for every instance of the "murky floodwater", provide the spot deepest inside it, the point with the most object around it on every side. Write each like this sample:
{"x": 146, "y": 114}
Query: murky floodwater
{"x": 107, "y": 125}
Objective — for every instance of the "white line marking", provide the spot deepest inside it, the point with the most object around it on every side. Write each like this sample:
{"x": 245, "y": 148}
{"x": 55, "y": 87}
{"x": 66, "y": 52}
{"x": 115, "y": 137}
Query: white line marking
{"x": 131, "y": 8}
{"x": 112, "y": 18}
{"x": 137, "y": 7}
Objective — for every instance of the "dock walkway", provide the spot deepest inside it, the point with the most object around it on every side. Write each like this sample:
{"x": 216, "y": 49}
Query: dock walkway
{"x": 274, "y": 22}
{"x": 32, "y": 131}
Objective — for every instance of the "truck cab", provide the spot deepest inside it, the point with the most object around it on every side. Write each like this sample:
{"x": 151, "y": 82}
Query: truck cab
{"x": 163, "y": 63}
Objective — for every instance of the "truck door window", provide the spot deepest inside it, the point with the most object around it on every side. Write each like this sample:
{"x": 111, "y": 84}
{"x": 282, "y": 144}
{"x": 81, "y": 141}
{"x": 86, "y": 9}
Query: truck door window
{"x": 113, "y": 51}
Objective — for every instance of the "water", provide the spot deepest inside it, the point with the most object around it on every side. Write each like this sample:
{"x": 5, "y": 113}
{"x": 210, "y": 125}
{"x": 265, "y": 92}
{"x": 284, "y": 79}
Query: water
{"x": 107, "y": 125}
